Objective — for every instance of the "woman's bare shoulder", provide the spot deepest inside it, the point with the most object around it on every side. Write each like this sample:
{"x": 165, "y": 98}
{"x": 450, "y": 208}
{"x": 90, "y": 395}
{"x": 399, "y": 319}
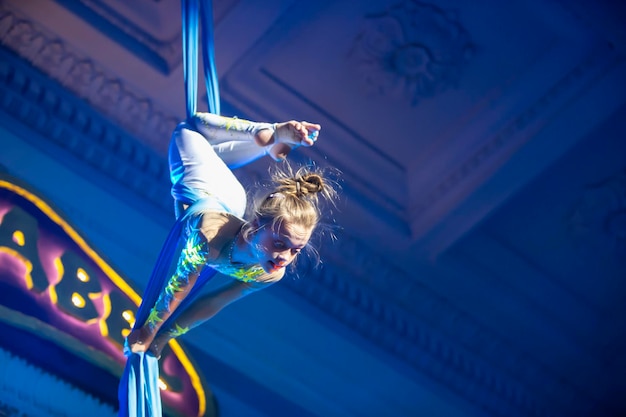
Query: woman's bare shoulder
{"x": 219, "y": 228}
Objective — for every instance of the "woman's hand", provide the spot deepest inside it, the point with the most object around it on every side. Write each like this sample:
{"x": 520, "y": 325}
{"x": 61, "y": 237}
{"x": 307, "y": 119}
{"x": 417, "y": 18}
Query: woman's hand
{"x": 139, "y": 340}
{"x": 157, "y": 346}
{"x": 291, "y": 134}
{"x": 296, "y": 133}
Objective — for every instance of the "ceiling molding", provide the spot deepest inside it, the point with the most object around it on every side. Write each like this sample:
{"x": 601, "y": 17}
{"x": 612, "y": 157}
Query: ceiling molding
{"x": 427, "y": 208}
{"x": 164, "y": 55}
{"x": 71, "y": 125}
{"x": 82, "y": 76}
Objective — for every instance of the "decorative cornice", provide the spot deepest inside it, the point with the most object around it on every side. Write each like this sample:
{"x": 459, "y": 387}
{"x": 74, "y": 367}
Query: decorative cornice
{"x": 83, "y": 77}
{"x": 40, "y": 105}
{"x": 163, "y": 55}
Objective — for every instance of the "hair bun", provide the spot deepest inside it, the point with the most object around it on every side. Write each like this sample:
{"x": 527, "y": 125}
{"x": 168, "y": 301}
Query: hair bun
{"x": 308, "y": 184}
{"x": 315, "y": 183}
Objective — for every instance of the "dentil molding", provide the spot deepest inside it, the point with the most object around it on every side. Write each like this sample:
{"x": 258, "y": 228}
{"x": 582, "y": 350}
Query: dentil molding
{"x": 83, "y": 77}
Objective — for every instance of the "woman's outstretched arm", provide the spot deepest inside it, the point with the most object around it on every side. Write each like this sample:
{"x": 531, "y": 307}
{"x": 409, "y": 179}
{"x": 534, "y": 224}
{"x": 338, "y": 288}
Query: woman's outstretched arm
{"x": 202, "y": 309}
{"x": 191, "y": 258}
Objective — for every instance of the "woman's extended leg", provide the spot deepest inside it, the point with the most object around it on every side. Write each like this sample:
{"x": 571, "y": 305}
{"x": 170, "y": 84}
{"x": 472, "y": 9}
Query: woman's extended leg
{"x": 197, "y": 172}
{"x": 239, "y": 141}
{"x": 236, "y": 141}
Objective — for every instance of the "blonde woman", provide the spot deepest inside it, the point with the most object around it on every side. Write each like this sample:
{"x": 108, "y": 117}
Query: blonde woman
{"x": 211, "y": 236}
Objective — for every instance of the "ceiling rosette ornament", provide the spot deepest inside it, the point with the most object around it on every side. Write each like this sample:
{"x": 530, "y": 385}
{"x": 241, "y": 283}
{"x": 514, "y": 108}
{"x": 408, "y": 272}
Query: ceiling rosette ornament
{"x": 413, "y": 49}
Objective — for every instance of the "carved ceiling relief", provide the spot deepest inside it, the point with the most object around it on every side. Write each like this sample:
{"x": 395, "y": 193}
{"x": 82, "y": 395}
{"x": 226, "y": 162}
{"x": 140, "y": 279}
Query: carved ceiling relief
{"x": 413, "y": 49}
{"x": 598, "y": 221}
{"x": 82, "y": 76}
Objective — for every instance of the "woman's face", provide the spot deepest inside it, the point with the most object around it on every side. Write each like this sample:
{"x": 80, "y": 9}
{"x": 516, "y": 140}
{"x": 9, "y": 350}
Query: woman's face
{"x": 275, "y": 247}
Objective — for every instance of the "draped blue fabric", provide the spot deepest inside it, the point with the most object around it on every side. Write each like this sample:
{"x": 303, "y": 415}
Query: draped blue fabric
{"x": 208, "y": 57}
{"x": 190, "y": 53}
{"x": 191, "y": 10}
{"x": 139, "y": 388}
{"x": 138, "y": 393}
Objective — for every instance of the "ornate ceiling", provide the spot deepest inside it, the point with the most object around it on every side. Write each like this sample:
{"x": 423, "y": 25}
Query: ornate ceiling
{"x": 480, "y": 261}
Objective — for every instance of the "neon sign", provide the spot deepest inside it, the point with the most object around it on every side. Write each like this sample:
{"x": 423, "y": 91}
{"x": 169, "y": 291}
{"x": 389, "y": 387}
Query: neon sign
{"x": 50, "y": 275}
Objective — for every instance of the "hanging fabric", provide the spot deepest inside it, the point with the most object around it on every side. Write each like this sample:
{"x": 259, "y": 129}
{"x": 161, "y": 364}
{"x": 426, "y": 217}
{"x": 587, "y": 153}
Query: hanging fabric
{"x": 165, "y": 262}
{"x": 208, "y": 58}
{"x": 138, "y": 393}
{"x": 191, "y": 14}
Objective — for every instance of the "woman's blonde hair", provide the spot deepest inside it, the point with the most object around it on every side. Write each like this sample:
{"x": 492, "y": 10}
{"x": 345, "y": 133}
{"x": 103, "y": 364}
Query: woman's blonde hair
{"x": 295, "y": 198}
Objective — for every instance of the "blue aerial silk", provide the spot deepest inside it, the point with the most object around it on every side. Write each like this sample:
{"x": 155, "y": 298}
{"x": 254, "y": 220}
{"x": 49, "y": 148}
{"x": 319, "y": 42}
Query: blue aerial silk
{"x": 190, "y": 13}
{"x": 139, "y": 387}
{"x": 138, "y": 392}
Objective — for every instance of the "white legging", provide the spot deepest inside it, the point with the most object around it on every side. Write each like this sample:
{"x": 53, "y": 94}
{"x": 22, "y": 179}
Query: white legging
{"x": 201, "y": 154}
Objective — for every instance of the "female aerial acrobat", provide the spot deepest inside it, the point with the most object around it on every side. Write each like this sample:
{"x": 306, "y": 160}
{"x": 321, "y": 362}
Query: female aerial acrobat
{"x": 210, "y": 236}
